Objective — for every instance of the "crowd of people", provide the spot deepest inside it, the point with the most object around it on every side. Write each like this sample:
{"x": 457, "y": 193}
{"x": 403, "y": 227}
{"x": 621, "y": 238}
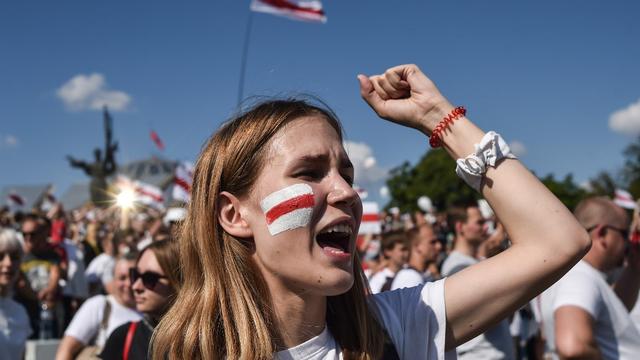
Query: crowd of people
{"x": 265, "y": 261}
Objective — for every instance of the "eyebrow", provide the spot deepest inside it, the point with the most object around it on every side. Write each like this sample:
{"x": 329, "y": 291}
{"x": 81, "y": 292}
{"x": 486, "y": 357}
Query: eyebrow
{"x": 345, "y": 163}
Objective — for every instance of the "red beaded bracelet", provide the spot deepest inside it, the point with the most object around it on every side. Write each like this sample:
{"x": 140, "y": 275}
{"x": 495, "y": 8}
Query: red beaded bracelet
{"x": 435, "y": 140}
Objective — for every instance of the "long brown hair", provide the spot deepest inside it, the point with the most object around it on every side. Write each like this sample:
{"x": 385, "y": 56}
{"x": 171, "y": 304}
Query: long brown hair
{"x": 223, "y": 309}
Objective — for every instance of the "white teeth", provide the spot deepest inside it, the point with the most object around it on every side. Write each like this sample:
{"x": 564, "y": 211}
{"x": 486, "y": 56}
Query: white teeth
{"x": 342, "y": 228}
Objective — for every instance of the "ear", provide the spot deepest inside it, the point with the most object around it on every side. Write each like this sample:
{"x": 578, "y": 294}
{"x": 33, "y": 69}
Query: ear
{"x": 598, "y": 236}
{"x": 230, "y": 216}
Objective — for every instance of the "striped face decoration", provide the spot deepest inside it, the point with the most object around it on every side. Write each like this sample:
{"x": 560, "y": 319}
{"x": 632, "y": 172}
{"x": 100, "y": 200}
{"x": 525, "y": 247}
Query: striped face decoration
{"x": 289, "y": 208}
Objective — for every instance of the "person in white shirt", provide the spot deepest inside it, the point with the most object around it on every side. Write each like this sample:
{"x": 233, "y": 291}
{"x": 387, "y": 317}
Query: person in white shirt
{"x": 394, "y": 253}
{"x": 100, "y": 314}
{"x": 583, "y": 317}
{"x": 424, "y": 250}
{"x": 267, "y": 248}
{"x": 468, "y": 222}
{"x": 14, "y": 321}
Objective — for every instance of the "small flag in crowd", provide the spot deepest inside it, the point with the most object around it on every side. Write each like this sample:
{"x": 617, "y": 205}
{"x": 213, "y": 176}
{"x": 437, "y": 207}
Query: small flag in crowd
{"x": 156, "y": 139}
{"x": 145, "y": 193}
{"x": 182, "y": 182}
{"x": 148, "y": 194}
{"x": 370, "y": 218}
{"x": 624, "y": 199}
{"x": 15, "y": 200}
{"x": 304, "y": 10}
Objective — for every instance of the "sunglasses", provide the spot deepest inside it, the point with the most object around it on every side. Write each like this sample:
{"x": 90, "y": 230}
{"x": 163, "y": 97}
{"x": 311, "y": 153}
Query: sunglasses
{"x": 623, "y": 232}
{"x": 149, "y": 278}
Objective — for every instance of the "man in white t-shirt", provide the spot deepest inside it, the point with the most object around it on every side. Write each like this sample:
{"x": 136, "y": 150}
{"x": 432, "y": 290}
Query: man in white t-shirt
{"x": 89, "y": 325}
{"x": 495, "y": 343}
{"x": 424, "y": 250}
{"x": 583, "y": 317}
{"x": 395, "y": 253}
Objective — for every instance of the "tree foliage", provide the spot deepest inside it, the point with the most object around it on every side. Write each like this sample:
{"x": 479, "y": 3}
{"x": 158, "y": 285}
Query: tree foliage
{"x": 433, "y": 176}
{"x": 631, "y": 170}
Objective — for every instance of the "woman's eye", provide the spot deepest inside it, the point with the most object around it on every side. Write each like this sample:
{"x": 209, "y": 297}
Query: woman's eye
{"x": 309, "y": 174}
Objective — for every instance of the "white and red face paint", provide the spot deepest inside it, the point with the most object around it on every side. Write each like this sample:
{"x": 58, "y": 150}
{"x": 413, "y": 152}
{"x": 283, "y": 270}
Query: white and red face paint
{"x": 289, "y": 208}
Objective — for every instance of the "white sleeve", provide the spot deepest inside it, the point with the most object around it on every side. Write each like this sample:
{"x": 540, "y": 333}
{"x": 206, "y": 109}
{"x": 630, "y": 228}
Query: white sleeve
{"x": 415, "y": 320}
{"x": 377, "y": 281}
{"x": 407, "y": 278}
{"x": 86, "y": 322}
{"x": 577, "y": 290}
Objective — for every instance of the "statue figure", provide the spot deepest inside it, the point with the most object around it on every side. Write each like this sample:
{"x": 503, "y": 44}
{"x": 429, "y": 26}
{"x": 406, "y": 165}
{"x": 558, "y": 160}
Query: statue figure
{"x": 101, "y": 168}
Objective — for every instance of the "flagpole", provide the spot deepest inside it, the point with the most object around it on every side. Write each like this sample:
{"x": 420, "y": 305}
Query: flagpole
{"x": 245, "y": 51}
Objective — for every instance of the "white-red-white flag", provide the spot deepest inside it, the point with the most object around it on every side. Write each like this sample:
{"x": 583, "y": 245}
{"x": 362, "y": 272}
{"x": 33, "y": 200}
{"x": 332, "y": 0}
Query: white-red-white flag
{"x": 149, "y": 195}
{"x": 370, "y": 218}
{"x": 304, "y": 10}
{"x": 624, "y": 199}
{"x": 182, "y": 182}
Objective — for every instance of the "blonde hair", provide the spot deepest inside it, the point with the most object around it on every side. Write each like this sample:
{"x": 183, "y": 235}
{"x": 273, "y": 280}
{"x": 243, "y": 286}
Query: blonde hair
{"x": 224, "y": 309}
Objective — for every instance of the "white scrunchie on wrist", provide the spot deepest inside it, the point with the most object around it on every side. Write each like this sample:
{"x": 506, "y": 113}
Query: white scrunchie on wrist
{"x": 491, "y": 149}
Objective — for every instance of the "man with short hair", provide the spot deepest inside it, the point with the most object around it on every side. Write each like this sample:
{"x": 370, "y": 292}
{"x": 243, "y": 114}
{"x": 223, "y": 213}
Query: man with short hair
{"x": 583, "y": 317}
{"x": 468, "y": 223}
{"x": 394, "y": 251}
{"x": 424, "y": 250}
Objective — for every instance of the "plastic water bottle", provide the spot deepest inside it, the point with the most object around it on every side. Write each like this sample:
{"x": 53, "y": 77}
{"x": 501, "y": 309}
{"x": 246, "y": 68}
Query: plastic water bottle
{"x": 46, "y": 322}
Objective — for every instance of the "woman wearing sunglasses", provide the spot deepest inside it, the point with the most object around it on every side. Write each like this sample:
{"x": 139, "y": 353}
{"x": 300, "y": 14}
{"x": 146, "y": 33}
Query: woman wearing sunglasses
{"x": 154, "y": 281}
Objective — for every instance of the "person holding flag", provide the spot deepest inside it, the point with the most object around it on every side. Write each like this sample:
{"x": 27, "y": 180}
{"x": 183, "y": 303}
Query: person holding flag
{"x": 268, "y": 243}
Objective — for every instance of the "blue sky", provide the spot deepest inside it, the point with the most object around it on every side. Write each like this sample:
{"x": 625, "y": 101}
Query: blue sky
{"x": 547, "y": 74}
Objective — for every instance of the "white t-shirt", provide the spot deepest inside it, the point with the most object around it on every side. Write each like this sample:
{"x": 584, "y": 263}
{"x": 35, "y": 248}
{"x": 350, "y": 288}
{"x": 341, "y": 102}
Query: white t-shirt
{"x": 100, "y": 269}
{"x": 635, "y": 313}
{"x": 414, "y": 318}
{"x": 85, "y": 325}
{"x": 586, "y": 287}
{"x": 496, "y": 342}
{"x": 14, "y": 329}
{"x": 378, "y": 280}
{"x": 410, "y": 277}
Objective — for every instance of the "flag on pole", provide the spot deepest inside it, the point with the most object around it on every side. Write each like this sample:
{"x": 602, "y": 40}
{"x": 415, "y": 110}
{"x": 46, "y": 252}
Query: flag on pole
{"x": 304, "y": 10}
{"x": 624, "y": 199}
{"x": 156, "y": 139}
{"x": 15, "y": 200}
{"x": 182, "y": 182}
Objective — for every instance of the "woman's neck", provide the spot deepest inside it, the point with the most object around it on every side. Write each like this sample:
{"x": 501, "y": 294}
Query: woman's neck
{"x": 299, "y": 316}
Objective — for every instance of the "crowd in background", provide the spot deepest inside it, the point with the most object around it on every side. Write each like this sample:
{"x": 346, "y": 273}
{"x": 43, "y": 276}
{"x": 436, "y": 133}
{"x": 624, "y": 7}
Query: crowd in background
{"x": 85, "y": 277}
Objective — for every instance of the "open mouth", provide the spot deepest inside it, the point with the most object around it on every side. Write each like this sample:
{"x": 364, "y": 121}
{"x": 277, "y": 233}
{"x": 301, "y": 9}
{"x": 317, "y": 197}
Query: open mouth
{"x": 336, "y": 238}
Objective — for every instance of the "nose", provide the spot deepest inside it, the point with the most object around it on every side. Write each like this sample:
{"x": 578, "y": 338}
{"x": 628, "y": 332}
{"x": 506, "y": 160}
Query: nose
{"x": 137, "y": 285}
{"x": 342, "y": 193}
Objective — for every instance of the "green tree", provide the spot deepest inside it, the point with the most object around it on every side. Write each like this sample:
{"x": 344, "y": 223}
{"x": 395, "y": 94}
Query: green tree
{"x": 433, "y": 176}
{"x": 603, "y": 184}
{"x": 631, "y": 169}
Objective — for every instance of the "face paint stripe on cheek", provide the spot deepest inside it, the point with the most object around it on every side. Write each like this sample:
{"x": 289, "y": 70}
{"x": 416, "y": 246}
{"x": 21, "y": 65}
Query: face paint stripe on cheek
{"x": 288, "y": 208}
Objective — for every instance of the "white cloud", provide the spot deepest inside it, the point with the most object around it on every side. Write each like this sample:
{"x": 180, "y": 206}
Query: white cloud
{"x": 90, "y": 92}
{"x": 364, "y": 162}
{"x": 626, "y": 121}
{"x": 9, "y": 141}
{"x": 518, "y": 148}
{"x": 384, "y": 192}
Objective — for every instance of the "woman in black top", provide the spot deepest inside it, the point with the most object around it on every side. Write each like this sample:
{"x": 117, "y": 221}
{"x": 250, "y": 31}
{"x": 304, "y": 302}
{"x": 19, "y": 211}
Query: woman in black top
{"x": 154, "y": 281}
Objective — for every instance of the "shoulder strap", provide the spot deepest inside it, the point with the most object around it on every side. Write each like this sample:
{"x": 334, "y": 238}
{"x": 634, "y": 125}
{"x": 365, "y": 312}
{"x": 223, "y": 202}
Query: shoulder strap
{"x": 387, "y": 283}
{"x": 106, "y": 313}
{"x": 129, "y": 340}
